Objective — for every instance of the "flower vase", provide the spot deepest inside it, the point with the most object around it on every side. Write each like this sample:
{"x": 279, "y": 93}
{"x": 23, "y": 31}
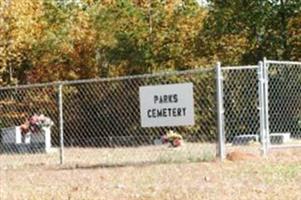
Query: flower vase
{"x": 47, "y": 138}
{"x": 27, "y": 138}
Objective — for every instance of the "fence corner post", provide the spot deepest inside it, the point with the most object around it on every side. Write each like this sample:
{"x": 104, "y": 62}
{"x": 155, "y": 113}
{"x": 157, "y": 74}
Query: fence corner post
{"x": 261, "y": 108}
{"x": 61, "y": 123}
{"x": 266, "y": 103}
{"x": 221, "y": 154}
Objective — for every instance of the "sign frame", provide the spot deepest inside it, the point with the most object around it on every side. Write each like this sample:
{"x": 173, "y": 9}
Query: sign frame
{"x": 167, "y": 105}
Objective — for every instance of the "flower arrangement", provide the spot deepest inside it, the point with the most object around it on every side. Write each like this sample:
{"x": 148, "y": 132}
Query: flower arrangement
{"x": 174, "y": 139}
{"x": 36, "y": 123}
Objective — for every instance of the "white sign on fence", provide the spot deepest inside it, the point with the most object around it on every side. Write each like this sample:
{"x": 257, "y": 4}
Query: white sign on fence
{"x": 166, "y": 105}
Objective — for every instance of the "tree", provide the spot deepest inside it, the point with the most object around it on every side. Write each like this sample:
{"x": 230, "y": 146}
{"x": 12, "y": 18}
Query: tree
{"x": 149, "y": 35}
{"x": 20, "y": 28}
{"x": 294, "y": 37}
{"x": 260, "y": 28}
{"x": 66, "y": 49}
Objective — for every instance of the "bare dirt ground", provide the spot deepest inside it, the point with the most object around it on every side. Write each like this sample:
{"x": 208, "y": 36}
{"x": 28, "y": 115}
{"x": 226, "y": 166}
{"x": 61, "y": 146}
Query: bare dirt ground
{"x": 275, "y": 177}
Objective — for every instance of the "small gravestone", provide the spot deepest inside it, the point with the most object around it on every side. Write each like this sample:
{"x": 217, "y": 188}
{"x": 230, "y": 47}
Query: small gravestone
{"x": 158, "y": 142}
{"x": 280, "y": 138}
{"x": 11, "y": 135}
{"x": 245, "y": 139}
{"x": 14, "y": 142}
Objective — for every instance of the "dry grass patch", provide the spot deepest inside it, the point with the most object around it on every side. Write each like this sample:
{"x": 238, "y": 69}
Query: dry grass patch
{"x": 190, "y": 152}
{"x": 276, "y": 177}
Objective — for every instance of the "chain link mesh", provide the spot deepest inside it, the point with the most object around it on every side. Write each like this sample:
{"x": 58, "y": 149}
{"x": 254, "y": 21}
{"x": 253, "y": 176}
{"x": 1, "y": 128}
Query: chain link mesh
{"x": 102, "y": 121}
{"x": 241, "y": 113}
{"x": 102, "y": 125}
{"x": 17, "y": 105}
{"x": 284, "y": 103}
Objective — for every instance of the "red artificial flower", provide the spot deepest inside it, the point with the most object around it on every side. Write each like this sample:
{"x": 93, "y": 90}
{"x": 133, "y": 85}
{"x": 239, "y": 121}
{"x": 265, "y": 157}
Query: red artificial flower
{"x": 177, "y": 142}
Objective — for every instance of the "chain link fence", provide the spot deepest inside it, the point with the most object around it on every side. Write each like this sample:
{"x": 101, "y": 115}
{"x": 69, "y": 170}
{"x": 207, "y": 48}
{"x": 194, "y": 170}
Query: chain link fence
{"x": 241, "y": 108}
{"x": 101, "y": 122}
{"x": 98, "y": 123}
{"x": 17, "y": 105}
{"x": 284, "y": 99}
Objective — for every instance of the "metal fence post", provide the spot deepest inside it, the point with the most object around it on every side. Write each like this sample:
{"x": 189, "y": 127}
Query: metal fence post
{"x": 262, "y": 109}
{"x": 61, "y": 124}
{"x": 220, "y": 113}
{"x": 266, "y": 103}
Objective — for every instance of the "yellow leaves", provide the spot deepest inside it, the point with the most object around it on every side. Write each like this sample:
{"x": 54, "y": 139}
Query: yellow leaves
{"x": 295, "y": 37}
{"x": 82, "y": 29}
{"x": 232, "y": 47}
{"x": 25, "y": 8}
{"x": 21, "y": 20}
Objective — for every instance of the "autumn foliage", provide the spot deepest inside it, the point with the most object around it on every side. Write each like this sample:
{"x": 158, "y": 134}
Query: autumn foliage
{"x": 50, "y": 40}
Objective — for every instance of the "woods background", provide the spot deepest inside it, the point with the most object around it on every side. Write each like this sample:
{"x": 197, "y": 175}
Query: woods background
{"x": 50, "y": 40}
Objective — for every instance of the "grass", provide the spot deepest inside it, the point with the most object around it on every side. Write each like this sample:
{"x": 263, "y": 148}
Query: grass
{"x": 276, "y": 177}
{"x": 190, "y": 152}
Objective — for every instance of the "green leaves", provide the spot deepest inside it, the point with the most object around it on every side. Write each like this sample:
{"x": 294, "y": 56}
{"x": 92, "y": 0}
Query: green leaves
{"x": 93, "y": 38}
{"x": 262, "y": 25}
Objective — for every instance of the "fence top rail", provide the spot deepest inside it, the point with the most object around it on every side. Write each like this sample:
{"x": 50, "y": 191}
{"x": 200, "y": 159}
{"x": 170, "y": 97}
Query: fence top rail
{"x": 240, "y": 67}
{"x": 282, "y": 62}
{"x": 120, "y": 78}
{"x": 36, "y": 85}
